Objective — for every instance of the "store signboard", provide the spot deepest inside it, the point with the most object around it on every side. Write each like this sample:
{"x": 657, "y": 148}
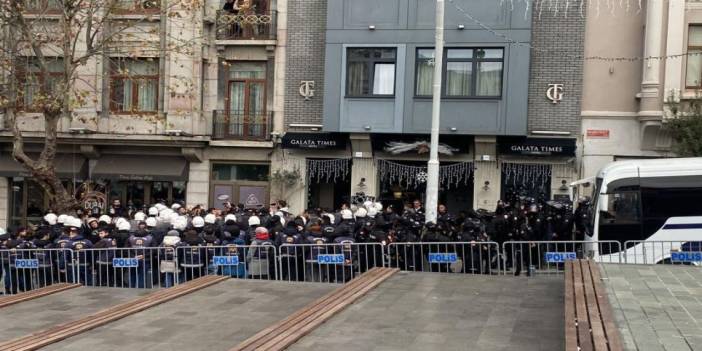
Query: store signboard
{"x": 317, "y": 141}
{"x": 564, "y": 147}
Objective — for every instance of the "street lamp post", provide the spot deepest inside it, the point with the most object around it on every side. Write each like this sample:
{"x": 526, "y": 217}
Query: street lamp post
{"x": 433, "y": 165}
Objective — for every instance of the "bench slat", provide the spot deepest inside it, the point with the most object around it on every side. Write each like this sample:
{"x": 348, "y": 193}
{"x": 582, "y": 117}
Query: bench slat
{"x": 610, "y": 328}
{"x": 584, "y": 336}
{"x": 571, "y": 331}
{"x": 599, "y": 337}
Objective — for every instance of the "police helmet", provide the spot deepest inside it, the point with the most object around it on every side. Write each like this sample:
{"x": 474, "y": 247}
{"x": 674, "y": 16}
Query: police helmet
{"x": 210, "y": 218}
{"x": 198, "y": 222}
{"x": 151, "y": 222}
{"x": 50, "y": 218}
{"x": 139, "y": 216}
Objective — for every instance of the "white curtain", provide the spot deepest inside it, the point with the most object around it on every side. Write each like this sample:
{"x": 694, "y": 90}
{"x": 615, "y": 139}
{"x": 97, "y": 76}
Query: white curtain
{"x": 384, "y": 79}
{"x": 489, "y": 79}
{"x": 147, "y": 95}
{"x": 126, "y": 94}
{"x": 425, "y": 78}
{"x": 357, "y": 76}
{"x": 693, "y": 78}
{"x": 458, "y": 78}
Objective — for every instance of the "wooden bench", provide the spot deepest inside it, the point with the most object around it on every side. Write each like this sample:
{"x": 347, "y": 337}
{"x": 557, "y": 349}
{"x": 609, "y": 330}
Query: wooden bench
{"x": 35, "y": 294}
{"x": 589, "y": 321}
{"x": 286, "y": 332}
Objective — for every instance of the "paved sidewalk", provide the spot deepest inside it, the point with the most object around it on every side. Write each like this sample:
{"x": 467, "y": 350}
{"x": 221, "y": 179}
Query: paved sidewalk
{"x": 38, "y": 314}
{"x": 215, "y": 318}
{"x": 432, "y": 311}
{"x": 657, "y": 307}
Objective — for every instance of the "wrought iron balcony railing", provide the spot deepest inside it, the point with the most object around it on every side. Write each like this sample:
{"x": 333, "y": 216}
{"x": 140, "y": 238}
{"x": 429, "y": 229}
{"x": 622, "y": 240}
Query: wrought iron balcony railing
{"x": 235, "y": 125}
{"x": 253, "y": 26}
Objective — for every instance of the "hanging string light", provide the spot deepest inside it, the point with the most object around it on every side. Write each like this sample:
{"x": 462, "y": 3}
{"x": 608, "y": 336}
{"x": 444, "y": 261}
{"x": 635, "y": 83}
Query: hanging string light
{"x": 539, "y": 7}
{"x": 327, "y": 171}
{"x": 412, "y": 176}
{"x": 534, "y": 175}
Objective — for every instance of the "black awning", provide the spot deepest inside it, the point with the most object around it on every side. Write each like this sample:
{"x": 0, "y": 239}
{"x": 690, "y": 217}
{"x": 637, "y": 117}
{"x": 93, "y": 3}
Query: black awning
{"x": 564, "y": 147}
{"x": 317, "y": 141}
{"x": 68, "y": 166}
{"x": 459, "y": 143}
{"x": 148, "y": 168}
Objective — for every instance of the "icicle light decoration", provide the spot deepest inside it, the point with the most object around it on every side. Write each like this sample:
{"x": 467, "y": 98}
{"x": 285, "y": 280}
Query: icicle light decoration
{"x": 327, "y": 171}
{"x": 532, "y": 175}
{"x": 449, "y": 176}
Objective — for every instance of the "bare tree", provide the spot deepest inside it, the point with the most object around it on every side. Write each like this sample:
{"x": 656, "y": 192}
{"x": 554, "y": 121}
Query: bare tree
{"x": 46, "y": 45}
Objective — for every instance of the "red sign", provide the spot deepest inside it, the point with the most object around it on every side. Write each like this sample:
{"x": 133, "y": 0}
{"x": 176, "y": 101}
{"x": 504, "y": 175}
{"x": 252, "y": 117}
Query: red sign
{"x": 598, "y": 133}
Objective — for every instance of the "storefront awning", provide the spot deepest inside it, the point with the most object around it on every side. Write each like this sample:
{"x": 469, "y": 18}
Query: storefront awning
{"x": 149, "y": 168}
{"x": 68, "y": 166}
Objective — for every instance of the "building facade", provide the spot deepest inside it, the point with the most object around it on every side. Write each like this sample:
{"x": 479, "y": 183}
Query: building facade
{"x": 624, "y": 102}
{"x": 500, "y": 131}
{"x": 198, "y": 128}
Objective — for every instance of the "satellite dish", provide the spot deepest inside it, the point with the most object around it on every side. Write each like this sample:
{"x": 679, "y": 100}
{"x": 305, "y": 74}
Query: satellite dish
{"x": 223, "y": 197}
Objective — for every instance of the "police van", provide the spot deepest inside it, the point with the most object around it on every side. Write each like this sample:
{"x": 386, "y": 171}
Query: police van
{"x": 652, "y": 207}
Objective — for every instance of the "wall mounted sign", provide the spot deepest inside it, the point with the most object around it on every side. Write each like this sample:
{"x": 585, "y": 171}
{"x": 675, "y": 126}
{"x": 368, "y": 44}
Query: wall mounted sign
{"x": 598, "y": 133}
{"x": 554, "y": 93}
{"x": 307, "y": 89}
{"x": 537, "y": 146}
{"x": 319, "y": 141}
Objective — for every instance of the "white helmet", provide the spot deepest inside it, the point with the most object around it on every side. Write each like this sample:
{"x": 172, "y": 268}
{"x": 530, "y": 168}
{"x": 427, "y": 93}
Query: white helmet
{"x": 120, "y": 220}
{"x": 210, "y": 218}
{"x": 332, "y": 219}
{"x": 361, "y": 213}
{"x": 67, "y": 221}
{"x": 153, "y": 211}
{"x": 171, "y": 240}
{"x": 175, "y": 207}
{"x": 372, "y": 212}
{"x": 105, "y": 218}
{"x": 346, "y": 214}
{"x": 61, "y": 219}
{"x": 198, "y": 222}
{"x": 180, "y": 223}
{"x": 254, "y": 221}
{"x": 368, "y": 204}
{"x": 139, "y": 216}
{"x": 229, "y": 217}
{"x": 160, "y": 207}
{"x": 76, "y": 223}
{"x": 378, "y": 207}
{"x": 151, "y": 222}
{"x": 173, "y": 217}
{"x": 50, "y": 218}
{"x": 124, "y": 226}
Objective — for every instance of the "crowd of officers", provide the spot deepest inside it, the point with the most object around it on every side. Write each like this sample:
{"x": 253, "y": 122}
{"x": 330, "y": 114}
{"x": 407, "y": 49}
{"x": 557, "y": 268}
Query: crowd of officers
{"x": 192, "y": 230}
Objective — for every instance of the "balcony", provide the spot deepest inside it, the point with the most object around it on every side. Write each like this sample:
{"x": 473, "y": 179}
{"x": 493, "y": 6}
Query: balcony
{"x": 255, "y": 26}
{"x": 232, "y": 125}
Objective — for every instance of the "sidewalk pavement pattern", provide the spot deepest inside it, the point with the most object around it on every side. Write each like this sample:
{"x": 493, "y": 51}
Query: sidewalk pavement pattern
{"x": 432, "y": 311}
{"x": 656, "y": 307}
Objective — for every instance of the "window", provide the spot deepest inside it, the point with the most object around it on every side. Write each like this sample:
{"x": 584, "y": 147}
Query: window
{"x": 31, "y": 78}
{"x": 467, "y": 72}
{"x": 250, "y": 172}
{"x": 370, "y": 72}
{"x": 246, "y": 99}
{"x": 693, "y": 78}
{"x": 131, "y": 6}
{"x": 134, "y": 86}
{"x": 43, "y": 6}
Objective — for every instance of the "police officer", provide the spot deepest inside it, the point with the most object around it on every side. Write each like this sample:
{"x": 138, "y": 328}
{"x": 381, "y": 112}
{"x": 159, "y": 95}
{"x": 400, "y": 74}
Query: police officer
{"x": 104, "y": 254}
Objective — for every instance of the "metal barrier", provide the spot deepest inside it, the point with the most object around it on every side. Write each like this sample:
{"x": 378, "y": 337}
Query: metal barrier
{"x": 547, "y": 257}
{"x": 28, "y": 269}
{"x": 141, "y": 268}
{"x": 446, "y": 257}
{"x": 679, "y": 252}
{"x": 332, "y": 263}
{"x": 236, "y": 261}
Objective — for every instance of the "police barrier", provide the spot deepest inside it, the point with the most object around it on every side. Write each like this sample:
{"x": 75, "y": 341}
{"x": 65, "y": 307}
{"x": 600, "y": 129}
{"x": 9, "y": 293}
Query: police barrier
{"x": 332, "y": 263}
{"x": 236, "y": 261}
{"x": 28, "y": 269}
{"x": 142, "y": 268}
{"x": 447, "y": 257}
{"x": 547, "y": 257}
{"x": 663, "y": 252}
